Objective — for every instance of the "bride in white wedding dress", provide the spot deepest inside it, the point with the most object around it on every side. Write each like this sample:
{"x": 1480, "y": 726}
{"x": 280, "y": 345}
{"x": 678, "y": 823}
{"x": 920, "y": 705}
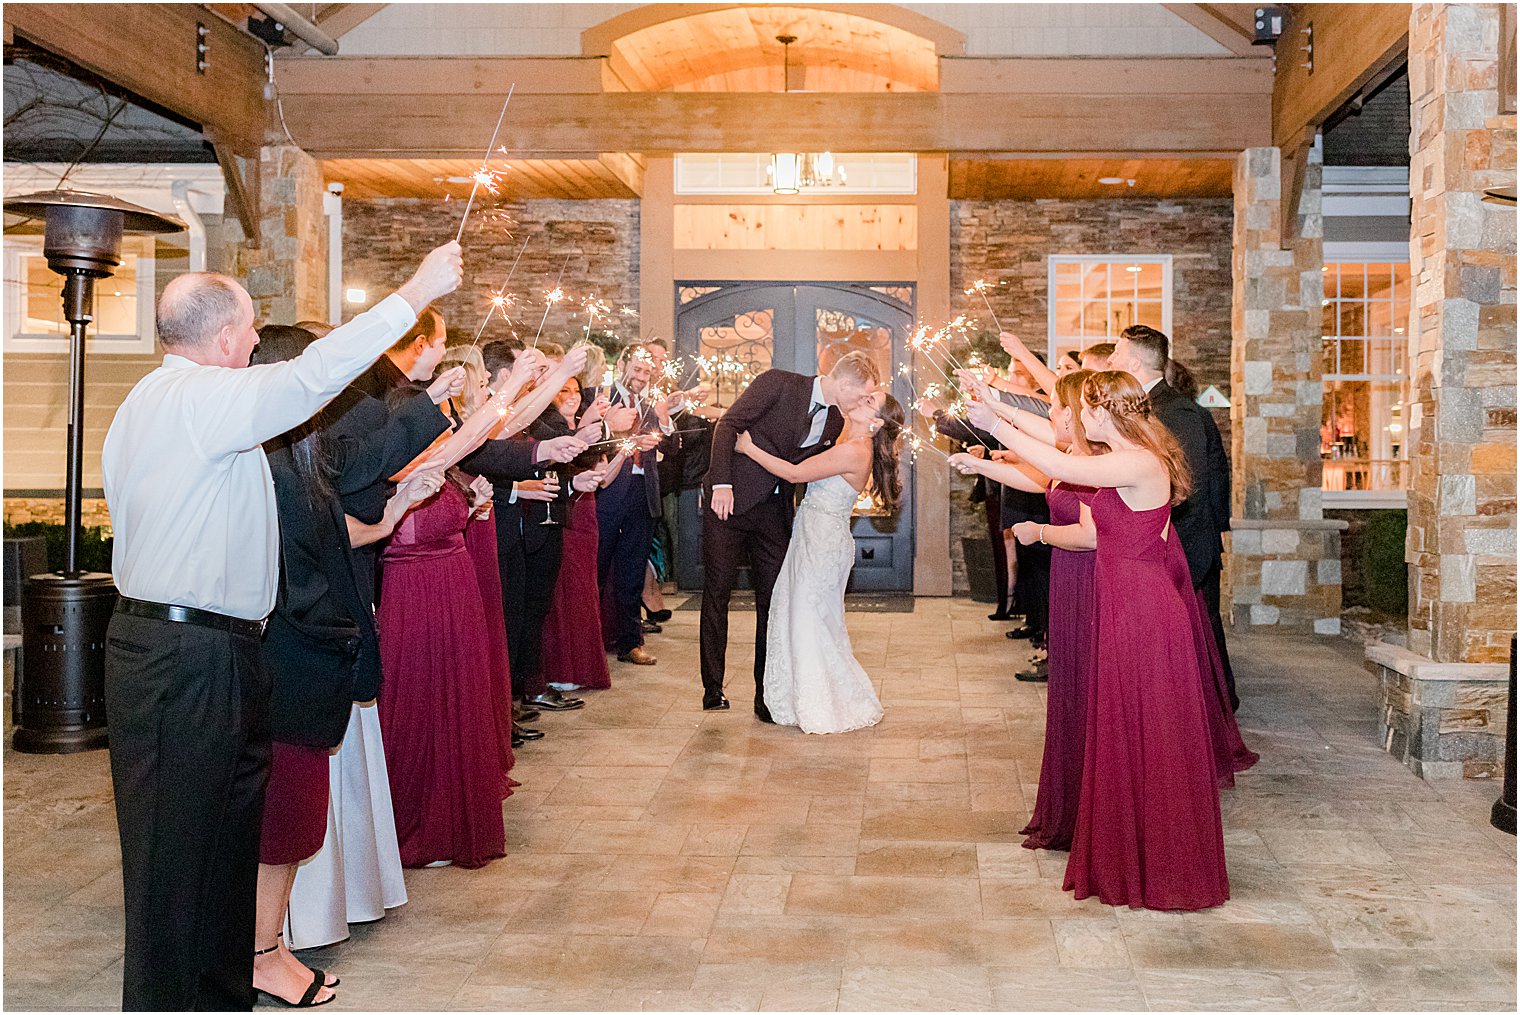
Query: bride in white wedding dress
{"x": 812, "y": 679}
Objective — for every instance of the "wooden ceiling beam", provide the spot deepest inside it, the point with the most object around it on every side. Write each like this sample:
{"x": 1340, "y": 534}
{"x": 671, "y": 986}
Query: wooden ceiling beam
{"x": 1356, "y": 46}
{"x": 1222, "y": 23}
{"x": 628, "y": 168}
{"x": 149, "y": 50}
{"x": 338, "y": 19}
{"x": 335, "y": 119}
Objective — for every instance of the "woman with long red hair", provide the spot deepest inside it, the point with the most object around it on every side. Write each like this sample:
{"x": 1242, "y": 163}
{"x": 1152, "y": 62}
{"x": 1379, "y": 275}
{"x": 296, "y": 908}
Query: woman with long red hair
{"x": 1148, "y": 832}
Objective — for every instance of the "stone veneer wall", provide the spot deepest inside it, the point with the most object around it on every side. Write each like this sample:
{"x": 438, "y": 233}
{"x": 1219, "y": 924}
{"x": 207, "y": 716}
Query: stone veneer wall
{"x": 1461, "y": 543}
{"x": 20, "y": 510}
{"x": 1009, "y": 242}
{"x": 594, "y": 243}
{"x": 286, "y": 274}
{"x": 1285, "y": 555}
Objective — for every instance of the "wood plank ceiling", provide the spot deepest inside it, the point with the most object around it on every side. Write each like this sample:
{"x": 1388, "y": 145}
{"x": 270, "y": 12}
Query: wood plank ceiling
{"x": 1031, "y": 179}
{"x": 435, "y": 178}
{"x": 735, "y": 50}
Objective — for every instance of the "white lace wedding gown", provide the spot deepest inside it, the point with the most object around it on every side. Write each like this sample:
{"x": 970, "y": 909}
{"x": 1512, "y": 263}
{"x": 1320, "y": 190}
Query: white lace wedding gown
{"x": 812, "y": 680}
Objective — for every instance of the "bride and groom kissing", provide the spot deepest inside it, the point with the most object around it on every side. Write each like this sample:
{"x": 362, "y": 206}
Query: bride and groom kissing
{"x": 836, "y": 433}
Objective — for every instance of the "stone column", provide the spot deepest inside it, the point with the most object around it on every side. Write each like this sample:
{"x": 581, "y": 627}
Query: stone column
{"x": 1284, "y": 554}
{"x": 287, "y": 273}
{"x": 1461, "y": 544}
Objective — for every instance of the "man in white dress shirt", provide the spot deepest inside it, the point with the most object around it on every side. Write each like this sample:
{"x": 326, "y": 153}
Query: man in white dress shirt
{"x": 195, "y": 558}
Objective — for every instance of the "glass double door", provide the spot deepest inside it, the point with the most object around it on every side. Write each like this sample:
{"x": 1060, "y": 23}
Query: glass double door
{"x": 737, "y": 330}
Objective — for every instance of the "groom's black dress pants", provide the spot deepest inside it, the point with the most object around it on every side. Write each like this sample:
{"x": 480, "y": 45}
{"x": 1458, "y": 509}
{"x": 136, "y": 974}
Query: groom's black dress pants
{"x": 762, "y": 533}
{"x": 189, "y": 714}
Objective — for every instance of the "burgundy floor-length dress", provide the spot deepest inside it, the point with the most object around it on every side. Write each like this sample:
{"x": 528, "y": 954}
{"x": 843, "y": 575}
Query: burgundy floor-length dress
{"x": 574, "y": 652}
{"x": 1148, "y": 831}
{"x": 1069, "y": 660}
{"x": 437, "y": 715}
{"x": 480, "y": 541}
{"x": 1231, "y": 754}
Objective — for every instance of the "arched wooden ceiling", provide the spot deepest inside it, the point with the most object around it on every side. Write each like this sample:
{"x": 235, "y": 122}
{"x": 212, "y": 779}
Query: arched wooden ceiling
{"x": 735, "y": 50}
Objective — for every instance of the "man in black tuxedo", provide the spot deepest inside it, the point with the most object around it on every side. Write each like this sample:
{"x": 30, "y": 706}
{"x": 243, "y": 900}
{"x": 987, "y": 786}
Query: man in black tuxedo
{"x": 525, "y": 554}
{"x": 790, "y": 415}
{"x": 627, "y": 506}
{"x": 1205, "y": 515}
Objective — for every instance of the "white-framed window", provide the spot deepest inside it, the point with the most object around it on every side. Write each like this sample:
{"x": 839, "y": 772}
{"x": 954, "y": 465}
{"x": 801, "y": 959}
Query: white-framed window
{"x": 34, "y": 301}
{"x": 1364, "y": 433}
{"x": 1093, "y": 297}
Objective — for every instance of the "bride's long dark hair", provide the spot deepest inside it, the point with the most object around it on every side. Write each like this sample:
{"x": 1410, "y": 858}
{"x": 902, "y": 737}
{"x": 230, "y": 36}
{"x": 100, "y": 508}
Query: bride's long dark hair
{"x": 886, "y": 455}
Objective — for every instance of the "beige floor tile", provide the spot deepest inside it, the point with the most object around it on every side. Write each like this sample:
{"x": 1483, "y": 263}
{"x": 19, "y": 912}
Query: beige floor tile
{"x": 1216, "y": 990}
{"x": 928, "y": 859}
{"x": 818, "y": 895}
{"x": 894, "y": 988}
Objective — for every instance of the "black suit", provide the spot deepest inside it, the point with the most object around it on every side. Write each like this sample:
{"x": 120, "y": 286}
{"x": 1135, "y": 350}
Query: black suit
{"x": 775, "y": 411}
{"x": 625, "y": 512}
{"x": 1205, "y": 515}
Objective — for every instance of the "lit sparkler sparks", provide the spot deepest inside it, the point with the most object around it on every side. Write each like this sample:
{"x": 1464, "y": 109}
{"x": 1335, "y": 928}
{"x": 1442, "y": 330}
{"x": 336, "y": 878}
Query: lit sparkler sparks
{"x": 552, "y": 297}
{"x": 505, "y": 299}
{"x": 485, "y": 176}
{"x": 980, "y": 287}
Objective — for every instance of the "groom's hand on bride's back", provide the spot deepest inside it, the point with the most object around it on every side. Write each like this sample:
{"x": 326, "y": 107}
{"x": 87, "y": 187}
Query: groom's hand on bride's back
{"x": 723, "y": 502}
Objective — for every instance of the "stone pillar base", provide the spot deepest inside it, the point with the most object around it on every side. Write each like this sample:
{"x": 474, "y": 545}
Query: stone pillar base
{"x": 1286, "y": 574}
{"x": 1443, "y": 720}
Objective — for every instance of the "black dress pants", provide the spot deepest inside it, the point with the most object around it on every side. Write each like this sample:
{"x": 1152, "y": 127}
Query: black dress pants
{"x": 1210, "y": 587}
{"x": 188, "y": 709}
{"x": 762, "y": 533}
{"x": 625, "y": 532}
{"x": 528, "y": 576}
{"x": 993, "y": 505}
{"x": 1032, "y": 586}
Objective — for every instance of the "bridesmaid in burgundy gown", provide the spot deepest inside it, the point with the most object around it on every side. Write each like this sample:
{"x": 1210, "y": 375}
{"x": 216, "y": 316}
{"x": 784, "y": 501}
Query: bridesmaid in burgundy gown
{"x": 480, "y": 542}
{"x": 1148, "y": 832}
{"x": 437, "y": 704}
{"x": 1070, "y": 637}
{"x": 574, "y": 651}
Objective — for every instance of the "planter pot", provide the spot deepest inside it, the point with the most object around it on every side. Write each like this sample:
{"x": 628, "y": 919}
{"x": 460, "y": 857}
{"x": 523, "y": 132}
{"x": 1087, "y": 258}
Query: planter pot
{"x": 980, "y": 574}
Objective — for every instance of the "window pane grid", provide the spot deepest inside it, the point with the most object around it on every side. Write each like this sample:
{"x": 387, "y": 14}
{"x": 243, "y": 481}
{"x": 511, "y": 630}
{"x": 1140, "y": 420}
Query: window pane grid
{"x": 1093, "y": 299}
{"x": 1362, "y": 438}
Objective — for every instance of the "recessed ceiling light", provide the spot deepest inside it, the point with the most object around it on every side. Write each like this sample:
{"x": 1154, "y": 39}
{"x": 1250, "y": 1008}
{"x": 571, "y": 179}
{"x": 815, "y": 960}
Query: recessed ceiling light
{"x": 1110, "y": 181}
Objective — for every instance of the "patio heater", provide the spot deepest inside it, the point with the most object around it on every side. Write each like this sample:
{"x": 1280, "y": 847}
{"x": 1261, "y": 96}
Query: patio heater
{"x": 59, "y": 700}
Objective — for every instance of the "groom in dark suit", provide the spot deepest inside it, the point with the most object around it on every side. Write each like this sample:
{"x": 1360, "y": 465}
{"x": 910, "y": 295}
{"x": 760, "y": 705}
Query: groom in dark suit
{"x": 1205, "y": 515}
{"x": 793, "y": 416}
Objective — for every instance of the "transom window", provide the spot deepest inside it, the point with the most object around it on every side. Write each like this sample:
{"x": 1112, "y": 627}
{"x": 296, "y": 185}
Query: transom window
{"x": 1365, "y": 349}
{"x": 1094, "y": 298}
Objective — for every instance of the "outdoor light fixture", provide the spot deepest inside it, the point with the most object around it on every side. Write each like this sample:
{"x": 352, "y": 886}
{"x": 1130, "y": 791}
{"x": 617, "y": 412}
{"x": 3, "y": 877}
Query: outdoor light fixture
{"x": 789, "y": 172}
{"x": 60, "y": 695}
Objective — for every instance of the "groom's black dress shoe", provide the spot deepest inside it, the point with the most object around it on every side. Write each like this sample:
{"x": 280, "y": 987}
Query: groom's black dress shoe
{"x": 762, "y": 713}
{"x": 714, "y": 703}
{"x": 1039, "y": 675}
{"x": 553, "y": 701}
{"x": 1020, "y": 633}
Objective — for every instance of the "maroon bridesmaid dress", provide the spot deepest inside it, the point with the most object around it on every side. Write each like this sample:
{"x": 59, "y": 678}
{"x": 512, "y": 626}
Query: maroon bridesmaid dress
{"x": 480, "y": 541}
{"x": 574, "y": 651}
{"x": 1231, "y": 754}
{"x": 1069, "y": 662}
{"x": 437, "y": 716}
{"x": 1148, "y": 831}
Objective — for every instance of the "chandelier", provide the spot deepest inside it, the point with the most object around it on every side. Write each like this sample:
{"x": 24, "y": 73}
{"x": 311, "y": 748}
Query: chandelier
{"x": 790, "y": 172}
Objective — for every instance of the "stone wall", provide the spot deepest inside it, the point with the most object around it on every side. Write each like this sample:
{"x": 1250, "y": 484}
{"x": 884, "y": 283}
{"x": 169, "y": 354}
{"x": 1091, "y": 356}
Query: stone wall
{"x": 1010, "y": 242}
{"x": 1461, "y": 543}
{"x": 286, "y": 275}
{"x": 1443, "y": 720}
{"x": 20, "y": 510}
{"x": 1285, "y": 563}
{"x": 594, "y": 243}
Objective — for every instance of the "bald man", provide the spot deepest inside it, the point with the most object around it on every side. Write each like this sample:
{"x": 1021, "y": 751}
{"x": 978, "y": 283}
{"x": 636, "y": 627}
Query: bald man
{"x": 196, "y": 560}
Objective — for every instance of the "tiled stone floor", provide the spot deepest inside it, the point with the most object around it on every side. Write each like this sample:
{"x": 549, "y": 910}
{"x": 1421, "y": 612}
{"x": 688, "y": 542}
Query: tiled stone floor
{"x": 665, "y": 859}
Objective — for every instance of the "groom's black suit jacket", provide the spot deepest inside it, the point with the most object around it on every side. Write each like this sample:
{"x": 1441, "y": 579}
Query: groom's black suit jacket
{"x": 774, "y": 409}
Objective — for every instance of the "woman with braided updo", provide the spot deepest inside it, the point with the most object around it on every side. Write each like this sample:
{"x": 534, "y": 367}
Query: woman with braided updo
{"x": 1148, "y": 832}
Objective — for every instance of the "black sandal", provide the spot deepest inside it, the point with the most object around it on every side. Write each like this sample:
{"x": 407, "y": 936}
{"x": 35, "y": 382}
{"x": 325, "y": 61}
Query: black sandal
{"x": 317, "y": 985}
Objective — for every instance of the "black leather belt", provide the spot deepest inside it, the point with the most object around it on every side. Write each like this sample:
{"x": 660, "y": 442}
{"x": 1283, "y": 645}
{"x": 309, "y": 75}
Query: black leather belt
{"x": 190, "y": 615}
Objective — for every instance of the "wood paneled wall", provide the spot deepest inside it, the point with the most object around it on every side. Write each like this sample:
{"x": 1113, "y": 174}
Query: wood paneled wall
{"x": 796, "y": 227}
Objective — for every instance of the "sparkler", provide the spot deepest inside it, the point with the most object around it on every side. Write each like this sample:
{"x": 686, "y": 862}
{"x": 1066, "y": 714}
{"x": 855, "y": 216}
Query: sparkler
{"x": 594, "y": 308}
{"x": 501, "y": 299}
{"x": 980, "y": 286}
{"x": 552, "y": 297}
{"x": 484, "y": 176}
